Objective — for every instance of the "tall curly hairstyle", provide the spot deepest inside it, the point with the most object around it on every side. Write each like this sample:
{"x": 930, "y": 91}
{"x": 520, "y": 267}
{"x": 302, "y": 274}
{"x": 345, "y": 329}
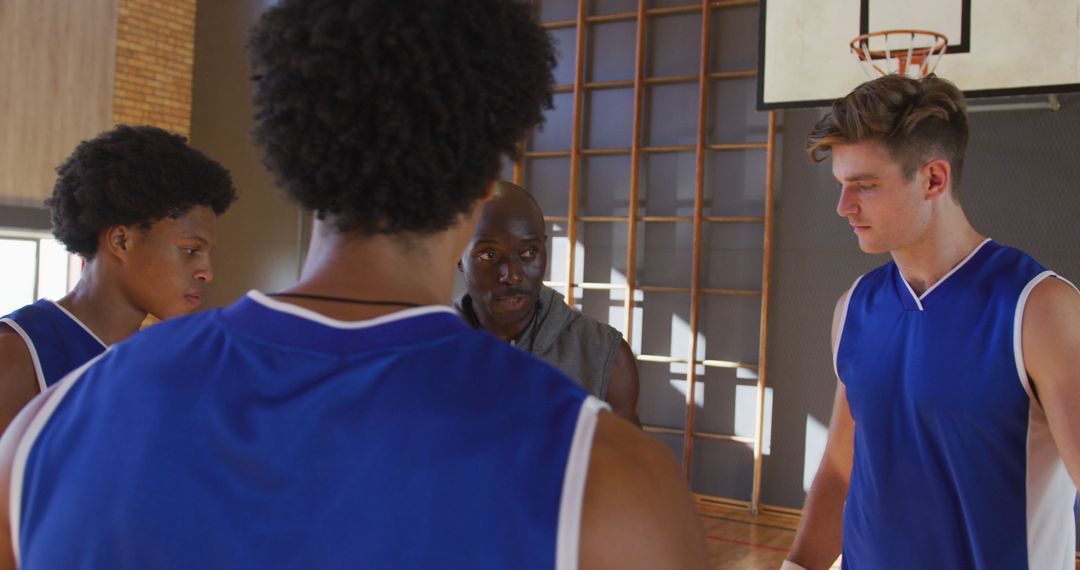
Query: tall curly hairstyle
{"x": 392, "y": 116}
{"x": 132, "y": 176}
{"x": 915, "y": 120}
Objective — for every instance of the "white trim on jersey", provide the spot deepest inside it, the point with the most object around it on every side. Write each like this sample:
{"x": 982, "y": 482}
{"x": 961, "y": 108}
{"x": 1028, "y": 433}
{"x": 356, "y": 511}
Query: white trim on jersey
{"x": 298, "y": 311}
{"x": 1050, "y": 492}
{"x": 26, "y": 443}
{"x": 840, "y": 331}
{"x": 78, "y": 322}
{"x": 1069, "y": 283}
{"x": 1018, "y": 325}
{"x": 1051, "y": 525}
{"x": 919, "y": 298}
{"x": 33, "y": 352}
{"x": 573, "y": 491}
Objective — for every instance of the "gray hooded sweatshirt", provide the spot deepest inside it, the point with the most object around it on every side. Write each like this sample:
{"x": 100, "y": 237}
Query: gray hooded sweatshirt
{"x": 582, "y": 347}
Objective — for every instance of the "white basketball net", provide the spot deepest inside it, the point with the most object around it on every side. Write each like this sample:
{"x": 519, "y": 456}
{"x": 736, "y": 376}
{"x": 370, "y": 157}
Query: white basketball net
{"x": 915, "y": 53}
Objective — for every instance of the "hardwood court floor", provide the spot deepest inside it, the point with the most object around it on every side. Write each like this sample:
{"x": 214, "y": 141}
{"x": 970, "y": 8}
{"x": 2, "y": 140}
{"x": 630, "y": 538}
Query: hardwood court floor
{"x": 741, "y": 541}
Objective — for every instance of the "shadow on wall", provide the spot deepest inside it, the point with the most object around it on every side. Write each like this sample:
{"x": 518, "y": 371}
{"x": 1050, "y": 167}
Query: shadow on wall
{"x": 734, "y": 182}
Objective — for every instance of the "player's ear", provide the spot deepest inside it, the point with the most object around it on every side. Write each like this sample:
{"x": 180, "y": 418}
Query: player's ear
{"x": 116, "y": 240}
{"x": 938, "y": 175}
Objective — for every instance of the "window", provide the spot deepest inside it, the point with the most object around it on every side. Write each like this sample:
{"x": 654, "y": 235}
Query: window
{"x": 35, "y": 266}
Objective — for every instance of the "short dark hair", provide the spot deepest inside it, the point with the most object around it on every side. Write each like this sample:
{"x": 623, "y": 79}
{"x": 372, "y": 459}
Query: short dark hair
{"x": 915, "y": 119}
{"x": 391, "y": 117}
{"x": 132, "y": 175}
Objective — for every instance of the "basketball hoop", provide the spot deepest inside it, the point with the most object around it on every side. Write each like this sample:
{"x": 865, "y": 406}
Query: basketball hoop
{"x": 914, "y": 53}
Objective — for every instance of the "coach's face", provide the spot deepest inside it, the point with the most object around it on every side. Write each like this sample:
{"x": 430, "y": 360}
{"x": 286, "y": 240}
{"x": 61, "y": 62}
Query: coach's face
{"x": 887, "y": 211}
{"x": 505, "y": 263}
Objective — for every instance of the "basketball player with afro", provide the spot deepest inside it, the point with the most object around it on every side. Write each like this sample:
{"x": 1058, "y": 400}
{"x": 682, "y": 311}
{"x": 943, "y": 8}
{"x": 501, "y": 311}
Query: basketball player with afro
{"x": 353, "y": 419}
{"x": 140, "y": 207}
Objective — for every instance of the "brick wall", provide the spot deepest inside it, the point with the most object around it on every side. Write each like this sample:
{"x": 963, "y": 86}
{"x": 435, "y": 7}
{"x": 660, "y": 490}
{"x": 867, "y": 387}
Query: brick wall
{"x": 155, "y": 49}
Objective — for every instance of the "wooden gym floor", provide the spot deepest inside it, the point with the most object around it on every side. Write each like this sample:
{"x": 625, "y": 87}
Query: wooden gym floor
{"x": 739, "y": 540}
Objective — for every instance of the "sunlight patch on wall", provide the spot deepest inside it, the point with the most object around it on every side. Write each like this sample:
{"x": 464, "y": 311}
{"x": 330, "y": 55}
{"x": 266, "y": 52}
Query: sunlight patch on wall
{"x": 557, "y": 260}
{"x": 680, "y": 345}
{"x": 746, "y": 412}
{"x": 617, "y": 310}
{"x": 816, "y": 436}
{"x": 699, "y": 391}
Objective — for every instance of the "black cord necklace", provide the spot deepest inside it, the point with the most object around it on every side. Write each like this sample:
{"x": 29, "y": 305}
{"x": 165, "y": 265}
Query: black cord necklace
{"x": 516, "y": 341}
{"x": 345, "y": 300}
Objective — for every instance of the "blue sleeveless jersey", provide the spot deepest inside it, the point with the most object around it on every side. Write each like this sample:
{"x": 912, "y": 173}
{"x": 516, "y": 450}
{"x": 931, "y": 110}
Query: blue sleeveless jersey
{"x": 954, "y": 464}
{"x": 58, "y": 342}
{"x": 265, "y": 435}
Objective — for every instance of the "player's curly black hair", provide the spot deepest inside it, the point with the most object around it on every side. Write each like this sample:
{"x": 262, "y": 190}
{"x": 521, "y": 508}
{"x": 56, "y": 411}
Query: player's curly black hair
{"x": 390, "y": 116}
{"x": 132, "y": 176}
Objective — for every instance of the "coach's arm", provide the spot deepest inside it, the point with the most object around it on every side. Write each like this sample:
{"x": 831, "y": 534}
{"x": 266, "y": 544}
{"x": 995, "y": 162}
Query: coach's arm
{"x": 623, "y": 386}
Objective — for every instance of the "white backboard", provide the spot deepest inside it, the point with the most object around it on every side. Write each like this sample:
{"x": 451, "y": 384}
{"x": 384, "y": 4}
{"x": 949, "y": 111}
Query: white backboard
{"x": 996, "y": 47}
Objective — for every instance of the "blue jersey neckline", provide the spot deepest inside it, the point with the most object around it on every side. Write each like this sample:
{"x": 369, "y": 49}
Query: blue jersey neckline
{"x": 286, "y": 324}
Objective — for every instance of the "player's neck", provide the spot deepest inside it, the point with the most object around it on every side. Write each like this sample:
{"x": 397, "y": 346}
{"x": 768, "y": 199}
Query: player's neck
{"x": 416, "y": 269}
{"x": 948, "y": 242}
{"x": 98, "y": 303}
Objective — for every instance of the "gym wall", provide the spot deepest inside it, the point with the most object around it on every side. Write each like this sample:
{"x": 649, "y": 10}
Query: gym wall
{"x": 259, "y": 238}
{"x": 697, "y": 247}
{"x": 73, "y": 70}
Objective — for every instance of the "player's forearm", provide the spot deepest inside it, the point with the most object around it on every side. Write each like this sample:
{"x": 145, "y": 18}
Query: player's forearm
{"x": 817, "y": 544}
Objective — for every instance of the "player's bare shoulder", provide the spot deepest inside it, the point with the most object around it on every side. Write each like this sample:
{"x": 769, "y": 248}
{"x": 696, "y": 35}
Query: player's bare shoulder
{"x": 1051, "y": 331}
{"x": 9, "y": 444}
{"x": 15, "y": 354}
{"x": 18, "y": 377}
{"x": 637, "y": 511}
{"x": 839, "y": 312}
